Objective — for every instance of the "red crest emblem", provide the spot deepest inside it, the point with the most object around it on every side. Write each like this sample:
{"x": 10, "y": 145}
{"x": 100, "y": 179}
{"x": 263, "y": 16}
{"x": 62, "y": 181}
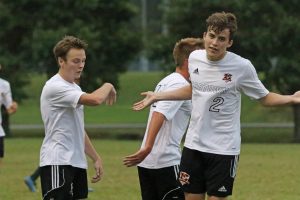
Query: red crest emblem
{"x": 227, "y": 77}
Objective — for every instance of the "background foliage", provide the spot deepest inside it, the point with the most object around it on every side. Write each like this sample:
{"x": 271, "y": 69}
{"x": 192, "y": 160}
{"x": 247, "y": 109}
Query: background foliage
{"x": 30, "y": 29}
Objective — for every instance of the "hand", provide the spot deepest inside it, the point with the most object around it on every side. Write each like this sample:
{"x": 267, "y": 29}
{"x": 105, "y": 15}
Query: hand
{"x": 99, "y": 171}
{"x": 138, "y": 157}
{"x": 112, "y": 97}
{"x": 13, "y": 108}
{"x": 148, "y": 100}
{"x": 296, "y": 96}
{"x": 14, "y": 105}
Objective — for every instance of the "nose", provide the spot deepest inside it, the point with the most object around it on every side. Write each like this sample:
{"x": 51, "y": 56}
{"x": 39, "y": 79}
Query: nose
{"x": 82, "y": 64}
{"x": 215, "y": 41}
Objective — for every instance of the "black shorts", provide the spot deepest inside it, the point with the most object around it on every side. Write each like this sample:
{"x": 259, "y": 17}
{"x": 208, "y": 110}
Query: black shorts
{"x": 1, "y": 146}
{"x": 63, "y": 182}
{"x": 202, "y": 173}
{"x": 160, "y": 184}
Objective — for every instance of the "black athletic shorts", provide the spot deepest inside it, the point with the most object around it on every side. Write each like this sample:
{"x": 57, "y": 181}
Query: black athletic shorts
{"x": 160, "y": 184}
{"x": 202, "y": 173}
{"x": 1, "y": 146}
{"x": 63, "y": 182}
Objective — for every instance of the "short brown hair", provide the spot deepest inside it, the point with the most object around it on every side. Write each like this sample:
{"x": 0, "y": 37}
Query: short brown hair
{"x": 220, "y": 20}
{"x": 68, "y": 42}
{"x": 184, "y": 47}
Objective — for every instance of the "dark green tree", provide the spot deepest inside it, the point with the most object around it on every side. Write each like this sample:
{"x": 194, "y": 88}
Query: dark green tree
{"x": 30, "y": 29}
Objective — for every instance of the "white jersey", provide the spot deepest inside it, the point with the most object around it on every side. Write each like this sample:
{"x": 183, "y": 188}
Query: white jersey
{"x": 216, "y": 96}
{"x": 166, "y": 150}
{"x": 5, "y": 99}
{"x": 64, "y": 124}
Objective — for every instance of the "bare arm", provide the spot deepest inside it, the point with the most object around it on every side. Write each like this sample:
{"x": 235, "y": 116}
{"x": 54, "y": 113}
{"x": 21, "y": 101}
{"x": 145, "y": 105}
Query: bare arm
{"x": 183, "y": 93}
{"x": 106, "y": 93}
{"x": 156, "y": 122}
{"x": 274, "y": 99}
{"x": 92, "y": 153}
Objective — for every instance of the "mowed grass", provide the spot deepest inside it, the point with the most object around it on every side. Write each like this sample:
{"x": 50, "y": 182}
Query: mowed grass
{"x": 265, "y": 172}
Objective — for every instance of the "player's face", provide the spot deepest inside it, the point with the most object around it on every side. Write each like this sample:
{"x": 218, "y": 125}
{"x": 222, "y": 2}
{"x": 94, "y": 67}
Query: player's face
{"x": 216, "y": 44}
{"x": 74, "y": 63}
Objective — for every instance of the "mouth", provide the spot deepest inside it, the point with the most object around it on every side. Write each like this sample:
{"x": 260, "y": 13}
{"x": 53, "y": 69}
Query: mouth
{"x": 213, "y": 50}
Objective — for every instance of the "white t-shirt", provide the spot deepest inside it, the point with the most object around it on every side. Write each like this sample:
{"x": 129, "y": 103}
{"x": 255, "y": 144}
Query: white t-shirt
{"x": 5, "y": 99}
{"x": 216, "y": 96}
{"x": 64, "y": 124}
{"x": 166, "y": 150}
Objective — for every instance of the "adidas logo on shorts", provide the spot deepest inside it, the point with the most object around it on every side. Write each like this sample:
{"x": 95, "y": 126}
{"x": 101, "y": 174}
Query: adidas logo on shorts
{"x": 222, "y": 189}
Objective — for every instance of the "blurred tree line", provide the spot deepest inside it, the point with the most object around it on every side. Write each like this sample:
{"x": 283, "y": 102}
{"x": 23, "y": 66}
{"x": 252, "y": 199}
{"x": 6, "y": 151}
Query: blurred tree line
{"x": 268, "y": 35}
{"x": 31, "y": 28}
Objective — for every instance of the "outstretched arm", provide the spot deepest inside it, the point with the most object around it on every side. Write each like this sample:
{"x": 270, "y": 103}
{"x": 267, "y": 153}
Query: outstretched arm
{"x": 106, "y": 93}
{"x": 156, "y": 122}
{"x": 274, "y": 99}
{"x": 91, "y": 152}
{"x": 183, "y": 93}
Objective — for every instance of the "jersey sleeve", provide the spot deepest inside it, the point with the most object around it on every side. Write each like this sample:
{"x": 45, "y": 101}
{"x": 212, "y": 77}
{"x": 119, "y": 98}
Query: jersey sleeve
{"x": 64, "y": 95}
{"x": 169, "y": 108}
{"x": 250, "y": 83}
{"x": 6, "y": 95}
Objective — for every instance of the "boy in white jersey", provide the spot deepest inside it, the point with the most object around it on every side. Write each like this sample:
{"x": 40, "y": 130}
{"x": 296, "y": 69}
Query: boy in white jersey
{"x": 62, "y": 158}
{"x": 11, "y": 107}
{"x": 159, "y": 157}
{"x": 212, "y": 146}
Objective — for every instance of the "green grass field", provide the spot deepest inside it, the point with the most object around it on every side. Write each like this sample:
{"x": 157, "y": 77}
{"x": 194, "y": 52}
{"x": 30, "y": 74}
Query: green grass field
{"x": 266, "y": 171}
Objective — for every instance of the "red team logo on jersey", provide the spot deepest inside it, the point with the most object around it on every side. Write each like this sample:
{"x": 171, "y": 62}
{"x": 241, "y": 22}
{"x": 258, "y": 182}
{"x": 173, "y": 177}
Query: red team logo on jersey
{"x": 184, "y": 178}
{"x": 227, "y": 77}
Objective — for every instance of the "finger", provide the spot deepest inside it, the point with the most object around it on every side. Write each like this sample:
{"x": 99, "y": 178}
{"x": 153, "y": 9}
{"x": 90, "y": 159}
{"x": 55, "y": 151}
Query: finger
{"x": 138, "y": 107}
{"x": 138, "y": 103}
{"x": 95, "y": 179}
{"x": 144, "y": 93}
{"x": 130, "y": 164}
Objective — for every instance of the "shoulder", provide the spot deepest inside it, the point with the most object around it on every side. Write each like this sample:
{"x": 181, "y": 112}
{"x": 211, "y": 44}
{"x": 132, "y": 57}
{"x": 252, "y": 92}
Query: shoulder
{"x": 4, "y": 85}
{"x": 197, "y": 54}
{"x": 174, "y": 78}
{"x": 4, "y": 82}
{"x": 238, "y": 60}
{"x": 59, "y": 86}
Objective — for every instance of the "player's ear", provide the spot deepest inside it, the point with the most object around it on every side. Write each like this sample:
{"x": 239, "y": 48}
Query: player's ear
{"x": 60, "y": 60}
{"x": 230, "y": 43}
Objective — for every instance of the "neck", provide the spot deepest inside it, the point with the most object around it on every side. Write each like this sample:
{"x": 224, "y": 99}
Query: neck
{"x": 183, "y": 72}
{"x": 65, "y": 76}
{"x": 214, "y": 59}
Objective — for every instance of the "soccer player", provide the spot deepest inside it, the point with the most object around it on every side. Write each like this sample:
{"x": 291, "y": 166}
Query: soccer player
{"x": 11, "y": 107}
{"x": 159, "y": 157}
{"x": 218, "y": 77}
{"x": 62, "y": 157}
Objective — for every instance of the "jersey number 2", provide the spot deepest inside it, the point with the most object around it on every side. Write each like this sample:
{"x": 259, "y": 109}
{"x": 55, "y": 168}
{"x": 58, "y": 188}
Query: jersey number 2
{"x": 217, "y": 102}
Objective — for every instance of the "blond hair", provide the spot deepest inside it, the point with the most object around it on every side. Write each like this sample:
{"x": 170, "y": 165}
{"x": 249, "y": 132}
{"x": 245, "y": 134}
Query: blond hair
{"x": 184, "y": 47}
